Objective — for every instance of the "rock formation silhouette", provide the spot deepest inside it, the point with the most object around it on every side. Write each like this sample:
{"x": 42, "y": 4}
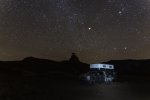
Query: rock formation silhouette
{"x": 74, "y": 58}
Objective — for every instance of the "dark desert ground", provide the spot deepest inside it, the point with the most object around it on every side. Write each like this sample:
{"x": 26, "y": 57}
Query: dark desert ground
{"x": 36, "y": 79}
{"x": 44, "y": 88}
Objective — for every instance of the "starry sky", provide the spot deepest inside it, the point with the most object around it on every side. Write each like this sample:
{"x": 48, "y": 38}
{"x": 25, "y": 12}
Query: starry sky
{"x": 96, "y": 30}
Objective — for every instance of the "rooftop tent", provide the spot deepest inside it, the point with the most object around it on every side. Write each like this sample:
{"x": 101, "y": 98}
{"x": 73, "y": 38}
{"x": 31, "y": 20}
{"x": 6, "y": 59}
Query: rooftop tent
{"x": 101, "y": 66}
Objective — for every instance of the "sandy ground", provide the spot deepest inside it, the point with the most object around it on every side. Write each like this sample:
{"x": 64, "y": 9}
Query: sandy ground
{"x": 46, "y": 88}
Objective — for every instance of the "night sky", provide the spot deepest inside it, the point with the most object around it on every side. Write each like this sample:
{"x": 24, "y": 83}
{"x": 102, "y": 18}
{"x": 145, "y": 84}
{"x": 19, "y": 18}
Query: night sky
{"x": 96, "y": 30}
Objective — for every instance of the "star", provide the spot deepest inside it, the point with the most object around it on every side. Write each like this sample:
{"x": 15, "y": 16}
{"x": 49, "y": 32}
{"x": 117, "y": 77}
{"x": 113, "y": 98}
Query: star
{"x": 82, "y": 22}
{"x": 115, "y": 49}
{"x": 89, "y": 28}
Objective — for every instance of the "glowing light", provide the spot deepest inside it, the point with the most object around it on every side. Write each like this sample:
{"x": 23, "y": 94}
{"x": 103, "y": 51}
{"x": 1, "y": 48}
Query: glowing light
{"x": 125, "y": 48}
{"x": 120, "y": 12}
{"x": 89, "y": 28}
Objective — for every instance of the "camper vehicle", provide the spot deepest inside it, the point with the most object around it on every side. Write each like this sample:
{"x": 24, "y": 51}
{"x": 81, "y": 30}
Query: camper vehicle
{"x": 99, "y": 73}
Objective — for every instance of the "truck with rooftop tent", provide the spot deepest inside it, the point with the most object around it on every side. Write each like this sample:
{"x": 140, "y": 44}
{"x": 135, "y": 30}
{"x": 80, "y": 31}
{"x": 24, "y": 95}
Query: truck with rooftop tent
{"x": 99, "y": 73}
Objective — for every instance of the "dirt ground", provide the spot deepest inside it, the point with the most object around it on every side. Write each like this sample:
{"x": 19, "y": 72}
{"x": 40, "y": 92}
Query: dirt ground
{"x": 47, "y": 88}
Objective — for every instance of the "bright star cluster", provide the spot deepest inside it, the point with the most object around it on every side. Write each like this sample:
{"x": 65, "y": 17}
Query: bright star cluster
{"x": 96, "y": 30}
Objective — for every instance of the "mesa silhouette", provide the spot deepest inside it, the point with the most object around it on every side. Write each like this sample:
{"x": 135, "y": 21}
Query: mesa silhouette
{"x": 31, "y": 66}
{"x": 126, "y": 70}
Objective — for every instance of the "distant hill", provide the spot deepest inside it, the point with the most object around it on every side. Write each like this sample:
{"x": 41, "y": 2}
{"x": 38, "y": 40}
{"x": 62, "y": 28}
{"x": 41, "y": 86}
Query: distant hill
{"x": 32, "y": 65}
{"x": 126, "y": 70}
{"x": 132, "y": 69}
